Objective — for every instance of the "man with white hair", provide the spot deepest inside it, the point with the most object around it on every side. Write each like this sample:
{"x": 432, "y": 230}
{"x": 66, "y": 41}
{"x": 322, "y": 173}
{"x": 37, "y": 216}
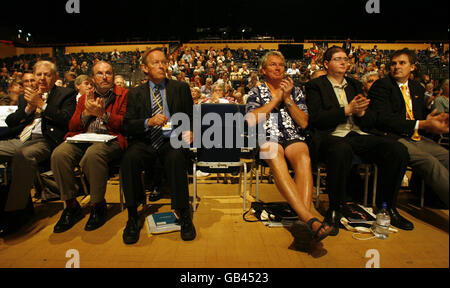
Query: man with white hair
{"x": 46, "y": 110}
{"x": 367, "y": 80}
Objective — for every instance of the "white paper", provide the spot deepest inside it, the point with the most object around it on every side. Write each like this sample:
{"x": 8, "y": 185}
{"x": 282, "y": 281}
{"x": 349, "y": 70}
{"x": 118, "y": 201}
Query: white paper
{"x": 90, "y": 137}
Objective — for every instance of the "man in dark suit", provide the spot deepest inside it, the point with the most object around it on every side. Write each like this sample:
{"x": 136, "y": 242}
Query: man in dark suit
{"x": 402, "y": 114}
{"x": 338, "y": 115}
{"x": 44, "y": 113}
{"x": 148, "y": 127}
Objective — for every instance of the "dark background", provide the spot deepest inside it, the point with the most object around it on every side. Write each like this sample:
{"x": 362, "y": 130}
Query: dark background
{"x": 131, "y": 20}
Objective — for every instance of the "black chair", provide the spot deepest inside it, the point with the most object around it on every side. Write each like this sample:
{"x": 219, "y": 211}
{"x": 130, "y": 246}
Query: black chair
{"x": 223, "y": 155}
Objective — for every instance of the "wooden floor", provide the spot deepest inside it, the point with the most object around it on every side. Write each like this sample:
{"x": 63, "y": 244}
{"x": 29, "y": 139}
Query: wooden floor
{"x": 223, "y": 238}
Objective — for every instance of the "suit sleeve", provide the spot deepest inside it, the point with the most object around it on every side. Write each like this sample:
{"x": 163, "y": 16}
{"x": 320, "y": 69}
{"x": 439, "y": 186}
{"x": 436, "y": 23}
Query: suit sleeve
{"x": 389, "y": 118}
{"x": 133, "y": 125}
{"x": 61, "y": 115}
{"x": 323, "y": 116}
{"x": 19, "y": 117}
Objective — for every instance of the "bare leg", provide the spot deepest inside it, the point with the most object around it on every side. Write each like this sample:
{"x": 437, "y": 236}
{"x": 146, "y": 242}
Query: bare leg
{"x": 286, "y": 185}
{"x": 298, "y": 155}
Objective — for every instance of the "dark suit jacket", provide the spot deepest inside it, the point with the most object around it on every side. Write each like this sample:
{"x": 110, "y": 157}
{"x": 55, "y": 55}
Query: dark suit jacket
{"x": 387, "y": 100}
{"x": 55, "y": 119}
{"x": 325, "y": 113}
{"x": 139, "y": 107}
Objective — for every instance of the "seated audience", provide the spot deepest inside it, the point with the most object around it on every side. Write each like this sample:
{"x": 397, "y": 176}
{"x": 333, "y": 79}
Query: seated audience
{"x": 340, "y": 121}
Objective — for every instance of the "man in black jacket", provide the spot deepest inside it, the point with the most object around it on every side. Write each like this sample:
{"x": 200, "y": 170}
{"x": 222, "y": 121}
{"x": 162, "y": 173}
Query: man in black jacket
{"x": 44, "y": 114}
{"x": 147, "y": 125}
{"x": 338, "y": 115}
{"x": 402, "y": 115}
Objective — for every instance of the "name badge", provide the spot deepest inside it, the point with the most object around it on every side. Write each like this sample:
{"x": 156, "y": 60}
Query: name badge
{"x": 168, "y": 126}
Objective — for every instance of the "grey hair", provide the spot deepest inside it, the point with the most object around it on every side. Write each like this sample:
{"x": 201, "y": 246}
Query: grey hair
{"x": 52, "y": 66}
{"x": 220, "y": 85}
{"x": 366, "y": 76}
{"x": 266, "y": 56}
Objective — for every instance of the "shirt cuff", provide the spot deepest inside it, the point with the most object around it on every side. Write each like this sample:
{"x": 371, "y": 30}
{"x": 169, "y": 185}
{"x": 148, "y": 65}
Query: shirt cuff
{"x": 146, "y": 127}
{"x": 43, "y": 107}
{"x": 416, "y": 127}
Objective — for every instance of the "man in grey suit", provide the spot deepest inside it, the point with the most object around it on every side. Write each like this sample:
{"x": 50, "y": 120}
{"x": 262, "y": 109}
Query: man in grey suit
{"x": 402, "y": 114}
{"x": 44, "y": 114}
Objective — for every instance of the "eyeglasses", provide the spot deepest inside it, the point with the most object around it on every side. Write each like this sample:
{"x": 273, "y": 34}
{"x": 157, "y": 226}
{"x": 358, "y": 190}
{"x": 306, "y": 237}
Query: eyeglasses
{"x": 339, "y": 59}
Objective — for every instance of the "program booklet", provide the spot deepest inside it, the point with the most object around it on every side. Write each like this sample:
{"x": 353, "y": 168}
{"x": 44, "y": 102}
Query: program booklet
{"x": 162, "y": 223}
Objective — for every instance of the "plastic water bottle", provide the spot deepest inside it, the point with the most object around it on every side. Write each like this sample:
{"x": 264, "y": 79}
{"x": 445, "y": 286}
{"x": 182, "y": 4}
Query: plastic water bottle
{"x": 381, "y": 226}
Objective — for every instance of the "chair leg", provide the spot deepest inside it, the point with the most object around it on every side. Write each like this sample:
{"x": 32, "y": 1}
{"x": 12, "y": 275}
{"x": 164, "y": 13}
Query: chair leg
{"x": 121, "y": 190}
{"x": 194, "y": 196}
{"x": 366, "y": 185}
{"x": 422, "y": 194}
{"x": 375, "y": 181}
{"x": 318, "y": 188}
{"x": 257, "y": 184}
{"x": 143, "y": 189}
{"x": 245, "y": 186}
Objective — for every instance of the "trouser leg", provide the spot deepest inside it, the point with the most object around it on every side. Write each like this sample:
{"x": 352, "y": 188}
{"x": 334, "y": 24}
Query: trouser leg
{"x": 391, "y": 159}
{"x": 24, "y": 165}
{"x": 430, "y": 161}
{"x": 64, "y": 159}
{"x": 95, "y": 166}
{"x": 138, "y": 156}
{"x": 337, "y": 155}
{"x": 175, "y": 167}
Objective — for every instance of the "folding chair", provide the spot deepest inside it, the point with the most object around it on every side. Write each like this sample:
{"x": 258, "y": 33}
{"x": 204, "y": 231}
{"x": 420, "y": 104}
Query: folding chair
{"x": 220, "y": 158}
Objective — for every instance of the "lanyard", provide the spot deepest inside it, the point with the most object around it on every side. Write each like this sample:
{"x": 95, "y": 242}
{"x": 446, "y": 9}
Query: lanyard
{"x": 268, "y": 87}
{"x": 157, "y": 102}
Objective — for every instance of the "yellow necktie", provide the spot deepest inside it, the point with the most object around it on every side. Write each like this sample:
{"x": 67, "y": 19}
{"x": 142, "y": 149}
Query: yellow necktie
{"x": 409, "y": 112}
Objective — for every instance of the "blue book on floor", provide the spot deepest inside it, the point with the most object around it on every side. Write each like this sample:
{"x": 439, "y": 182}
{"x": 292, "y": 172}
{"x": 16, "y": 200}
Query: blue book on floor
{"x": 162, "y": 223}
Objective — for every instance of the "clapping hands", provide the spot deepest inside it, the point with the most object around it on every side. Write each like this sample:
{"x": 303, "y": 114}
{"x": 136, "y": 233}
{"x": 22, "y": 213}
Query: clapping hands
{"x": 93, "y": 106}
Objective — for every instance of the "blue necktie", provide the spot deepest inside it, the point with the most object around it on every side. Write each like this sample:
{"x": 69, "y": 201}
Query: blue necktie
{"x": 156, "y": 132}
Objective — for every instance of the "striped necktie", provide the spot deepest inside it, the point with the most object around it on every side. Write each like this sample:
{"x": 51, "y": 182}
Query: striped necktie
{"x": 156, "y": 132}
{"x": 26, "y": 132}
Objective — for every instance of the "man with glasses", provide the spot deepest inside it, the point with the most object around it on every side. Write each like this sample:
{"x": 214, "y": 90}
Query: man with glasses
{"x": 338, "y": 114}
{"x": 43, "y": 114}
{"x": 147, "y": 124}
{"x": 100, "y": 111}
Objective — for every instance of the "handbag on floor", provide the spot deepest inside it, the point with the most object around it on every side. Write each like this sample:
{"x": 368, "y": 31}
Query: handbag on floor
{"x": 273, "y": 211}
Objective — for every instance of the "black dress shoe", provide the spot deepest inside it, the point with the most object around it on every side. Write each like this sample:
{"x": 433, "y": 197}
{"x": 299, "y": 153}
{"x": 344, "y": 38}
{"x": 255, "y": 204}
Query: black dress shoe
{"x": 132, "y": 231}
{"x": 333, "y": 218}
{"x": 69, "y": 217}
{"x": 97, "y": 217}
{"x": 187, "y": 227}
{"x": 14, "y": 220}
{"x": 398, "y": 221}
